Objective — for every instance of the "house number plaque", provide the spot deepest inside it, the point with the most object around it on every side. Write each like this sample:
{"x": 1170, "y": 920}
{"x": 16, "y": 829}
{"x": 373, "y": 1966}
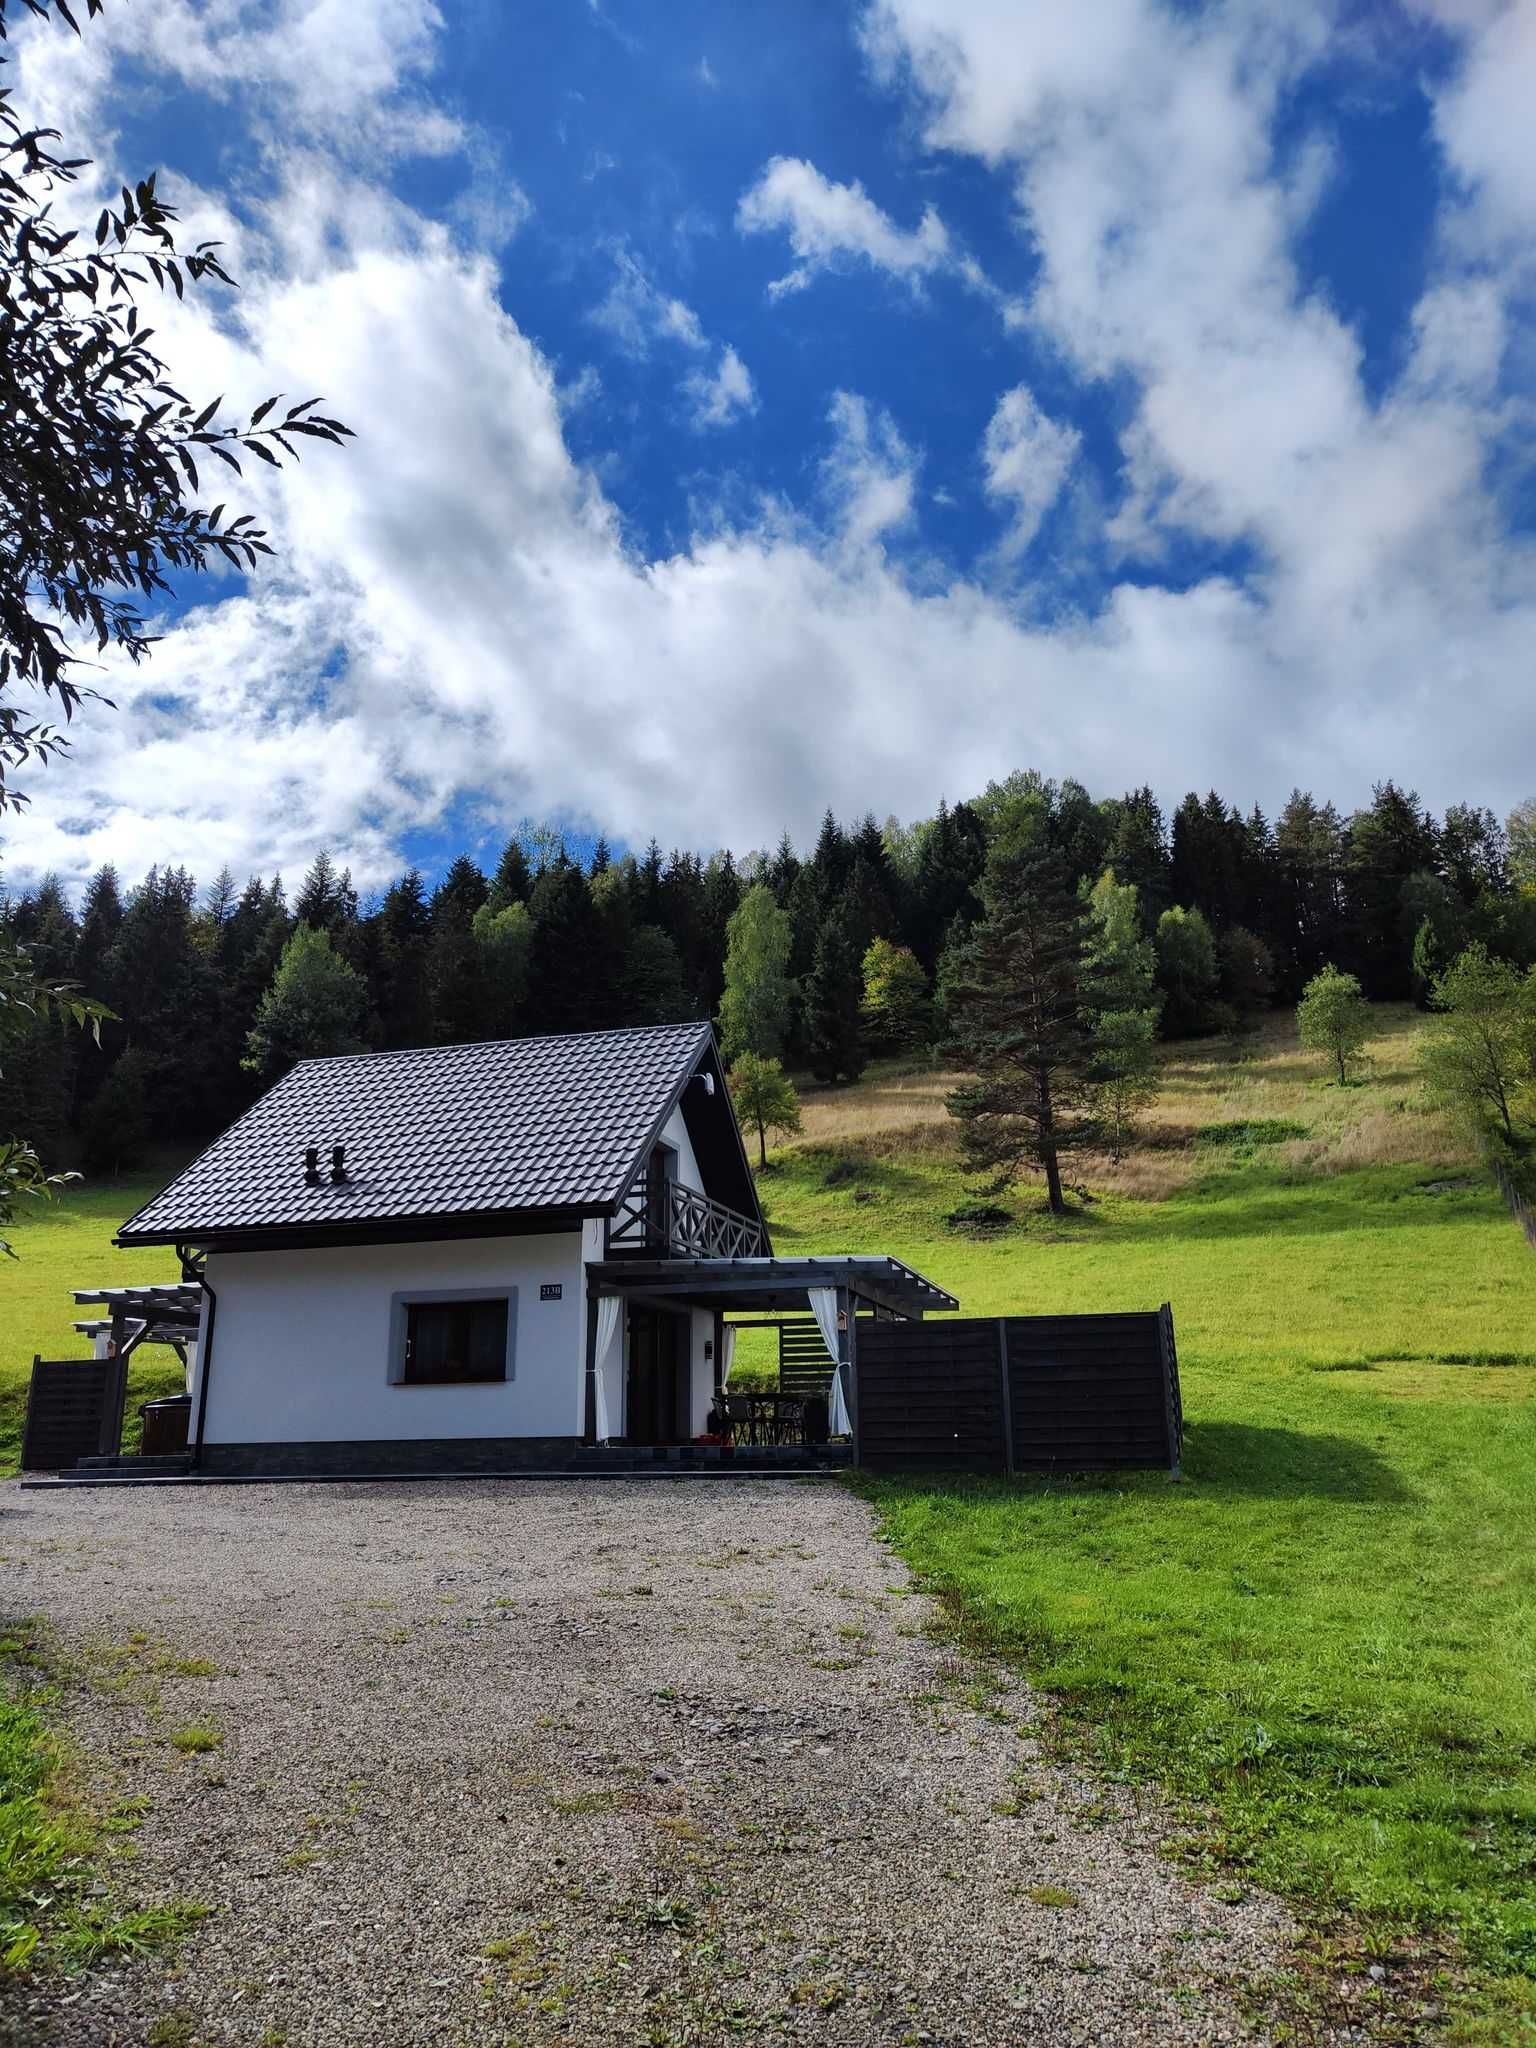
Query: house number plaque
{"x": 551, "y": 1290}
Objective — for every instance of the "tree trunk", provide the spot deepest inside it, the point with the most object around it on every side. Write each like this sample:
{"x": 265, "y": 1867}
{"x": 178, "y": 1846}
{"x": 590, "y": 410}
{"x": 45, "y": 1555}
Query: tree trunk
{"x": 1343, "y": 1077}
{"x": 1047, "y": 1142}
{"x": 762, "y": 1143}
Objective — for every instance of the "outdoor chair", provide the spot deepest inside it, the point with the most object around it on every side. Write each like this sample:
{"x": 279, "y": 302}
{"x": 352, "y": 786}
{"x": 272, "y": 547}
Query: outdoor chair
{"x": 741, "y": 1418}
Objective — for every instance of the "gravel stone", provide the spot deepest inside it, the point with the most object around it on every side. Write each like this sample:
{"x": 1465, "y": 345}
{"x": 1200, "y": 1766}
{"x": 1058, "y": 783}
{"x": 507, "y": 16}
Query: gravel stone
{"x": 589, "y": 1762}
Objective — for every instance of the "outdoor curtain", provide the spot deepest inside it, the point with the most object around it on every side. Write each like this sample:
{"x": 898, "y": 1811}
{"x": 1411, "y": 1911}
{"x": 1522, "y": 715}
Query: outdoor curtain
{"x": 823, "y": 1302}
{"x": 608, "y": 1308}
{"x": 727, "y": 1354}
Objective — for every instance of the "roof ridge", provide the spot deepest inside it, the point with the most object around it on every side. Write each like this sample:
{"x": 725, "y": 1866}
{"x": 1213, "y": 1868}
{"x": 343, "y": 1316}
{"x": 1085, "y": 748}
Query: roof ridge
{"x": 399, "y": 1052}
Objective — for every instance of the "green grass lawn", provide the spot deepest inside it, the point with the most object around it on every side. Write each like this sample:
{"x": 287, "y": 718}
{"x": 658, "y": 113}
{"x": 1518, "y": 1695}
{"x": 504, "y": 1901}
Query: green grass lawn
{"x": 66, "y": 1244}
{"x": 1323, "y": 1637}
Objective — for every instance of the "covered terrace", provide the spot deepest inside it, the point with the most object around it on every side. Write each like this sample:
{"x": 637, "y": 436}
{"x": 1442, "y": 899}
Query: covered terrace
{"x": 816, "y": 1303}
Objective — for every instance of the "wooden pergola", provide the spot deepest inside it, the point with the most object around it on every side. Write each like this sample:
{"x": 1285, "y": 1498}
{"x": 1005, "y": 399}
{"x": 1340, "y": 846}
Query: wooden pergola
{"x": 166, "y": 1314}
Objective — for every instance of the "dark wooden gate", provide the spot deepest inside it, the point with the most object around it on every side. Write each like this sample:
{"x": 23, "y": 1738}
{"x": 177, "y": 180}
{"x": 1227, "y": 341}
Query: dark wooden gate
{"x": 1019, "y": 1394}
{"x": 67, "y": 1412}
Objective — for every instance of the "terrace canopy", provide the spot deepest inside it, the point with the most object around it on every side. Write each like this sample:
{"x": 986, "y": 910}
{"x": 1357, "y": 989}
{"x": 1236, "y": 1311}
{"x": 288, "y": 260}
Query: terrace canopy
{"x": 883, "y": 1285}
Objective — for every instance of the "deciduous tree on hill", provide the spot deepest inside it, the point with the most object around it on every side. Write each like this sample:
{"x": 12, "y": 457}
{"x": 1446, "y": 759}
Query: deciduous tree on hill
{"x": 765, "y": 1099}
{"x": 897, "y": 1013}
{"x": 759, "y": 994}
{"x": 1480, "y": 1053}
{"x": 1334, "y": 1017}
{"x": 313, "y": 1009}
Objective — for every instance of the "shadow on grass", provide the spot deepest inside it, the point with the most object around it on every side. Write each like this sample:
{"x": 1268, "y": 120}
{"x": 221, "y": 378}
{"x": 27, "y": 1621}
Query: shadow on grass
{"x": 1239, "y": 1458}
{"x": 1222, "y": 1461}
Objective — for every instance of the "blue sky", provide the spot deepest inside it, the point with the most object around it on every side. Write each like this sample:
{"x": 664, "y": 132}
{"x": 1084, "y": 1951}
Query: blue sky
{"x": 762, "y": 409}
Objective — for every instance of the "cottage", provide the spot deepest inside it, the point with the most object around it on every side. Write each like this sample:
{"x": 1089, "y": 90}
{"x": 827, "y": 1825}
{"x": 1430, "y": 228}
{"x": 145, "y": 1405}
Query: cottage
{"x": 489, "y": 1257}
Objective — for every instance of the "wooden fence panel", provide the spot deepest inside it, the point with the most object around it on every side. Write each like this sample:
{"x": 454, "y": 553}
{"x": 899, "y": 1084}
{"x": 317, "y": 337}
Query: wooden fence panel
{"x": 930, "y": 1397}
{"x": 1024, "y": 1393}
{"x": 66, "y": 1406}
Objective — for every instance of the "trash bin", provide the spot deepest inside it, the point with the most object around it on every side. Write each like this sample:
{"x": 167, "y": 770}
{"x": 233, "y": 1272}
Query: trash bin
{"x": 165, "y": 1425}
{"x": 816, "y": 1419}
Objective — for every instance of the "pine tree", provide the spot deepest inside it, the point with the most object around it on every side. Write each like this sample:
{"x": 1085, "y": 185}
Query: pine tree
{"x": 326, "y": 899}
{"x": 511, "y": 882}
{"x": 1138, "y": 850}
{"x": 404, "y": 995}
{"x": 651, "y": 984}
{"x": 458, "y": 896}
{"x": 568, "y": 977}
{"x": 1014, "y": 998}
{"x": 834, "y": 1024}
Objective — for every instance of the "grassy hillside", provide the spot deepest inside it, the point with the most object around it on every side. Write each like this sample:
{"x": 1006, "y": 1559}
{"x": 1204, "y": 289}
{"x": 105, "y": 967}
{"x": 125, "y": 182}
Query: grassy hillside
{"x": 1324, "y": 1636}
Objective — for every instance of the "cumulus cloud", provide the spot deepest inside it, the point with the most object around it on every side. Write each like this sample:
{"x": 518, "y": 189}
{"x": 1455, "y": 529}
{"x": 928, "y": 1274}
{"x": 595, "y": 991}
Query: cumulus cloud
{"x": 1027, "y": 457}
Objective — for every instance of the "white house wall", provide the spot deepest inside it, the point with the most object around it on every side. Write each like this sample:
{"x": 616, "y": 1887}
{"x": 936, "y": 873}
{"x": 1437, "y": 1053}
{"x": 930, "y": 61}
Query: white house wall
{"x": 301, "y": 1346}
{"x": 702, "y": 1378}
{"x": 675, "y": 1134}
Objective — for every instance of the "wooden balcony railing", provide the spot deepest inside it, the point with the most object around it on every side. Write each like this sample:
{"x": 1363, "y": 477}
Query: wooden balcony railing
{"x": 677, "y": 1222}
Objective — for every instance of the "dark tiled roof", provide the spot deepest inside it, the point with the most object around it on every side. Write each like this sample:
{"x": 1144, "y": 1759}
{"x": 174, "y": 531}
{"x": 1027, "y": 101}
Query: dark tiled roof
{"x": 457, "y": 1130}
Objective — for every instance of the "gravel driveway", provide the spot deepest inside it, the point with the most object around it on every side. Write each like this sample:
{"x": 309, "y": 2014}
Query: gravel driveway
{"x": 588, "y": 1762}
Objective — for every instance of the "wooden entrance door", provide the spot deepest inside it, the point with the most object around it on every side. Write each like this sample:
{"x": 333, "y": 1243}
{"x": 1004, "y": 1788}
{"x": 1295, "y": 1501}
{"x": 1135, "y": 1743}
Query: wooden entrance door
{"x": 656, "y": 1399}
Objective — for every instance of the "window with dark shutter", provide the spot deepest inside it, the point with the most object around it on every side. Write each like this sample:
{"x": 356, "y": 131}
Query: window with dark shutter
{"x": 455, "y": 1340}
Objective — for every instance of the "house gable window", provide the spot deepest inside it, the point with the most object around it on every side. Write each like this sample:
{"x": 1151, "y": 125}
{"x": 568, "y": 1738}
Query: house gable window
{"x": 454, "y": 1337}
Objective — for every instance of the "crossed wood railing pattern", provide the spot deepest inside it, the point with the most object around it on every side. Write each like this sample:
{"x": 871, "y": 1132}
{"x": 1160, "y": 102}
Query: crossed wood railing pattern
{"x": 684, "y": 1225}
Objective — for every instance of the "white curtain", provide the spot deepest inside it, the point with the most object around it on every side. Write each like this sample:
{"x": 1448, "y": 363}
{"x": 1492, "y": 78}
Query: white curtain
{"x": 823, "y": 1302}
{"x": 608, "y": 1308}
{"x": 727, "y": 1354}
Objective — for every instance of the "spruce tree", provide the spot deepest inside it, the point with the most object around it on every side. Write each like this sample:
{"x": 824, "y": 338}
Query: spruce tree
{"x": 1013, "y": 991}
{"x": 834, "y": 992}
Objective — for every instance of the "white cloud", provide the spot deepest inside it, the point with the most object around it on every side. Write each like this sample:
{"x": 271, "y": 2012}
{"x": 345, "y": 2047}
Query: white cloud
{"x": 1140, "y": 143}
{"x": 704, "y": 72}
{"x": 1027, "y": 457}
{"x": 720, "y": 400}
{"x": 636, "y": 312}
{"x": 826, "y": 221}
{"x": 457, "y": 612}
{"x": 311, "y": 69}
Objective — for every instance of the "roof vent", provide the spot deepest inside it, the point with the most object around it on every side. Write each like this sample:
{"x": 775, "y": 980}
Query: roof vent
{"x": 338, "y": 1164}
{"x": 312, "y": 1166}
